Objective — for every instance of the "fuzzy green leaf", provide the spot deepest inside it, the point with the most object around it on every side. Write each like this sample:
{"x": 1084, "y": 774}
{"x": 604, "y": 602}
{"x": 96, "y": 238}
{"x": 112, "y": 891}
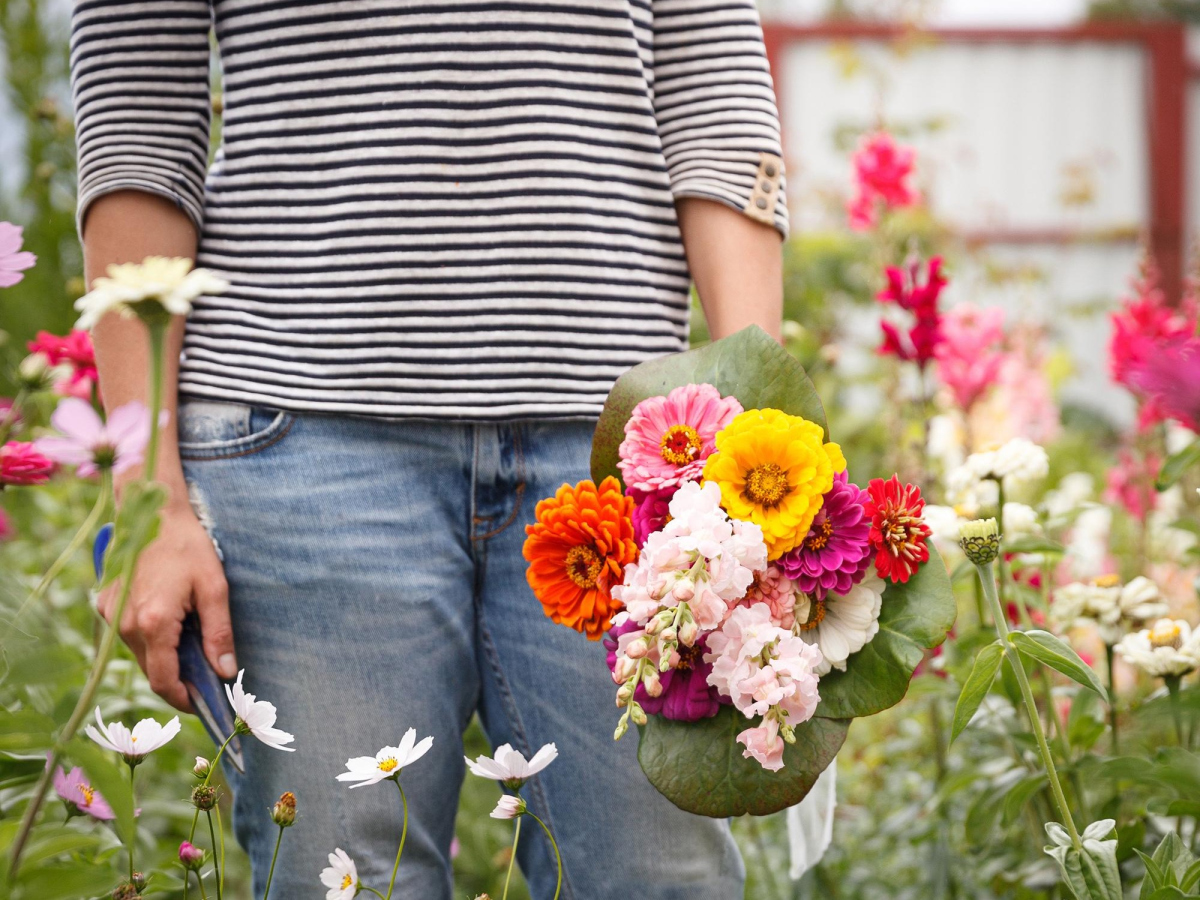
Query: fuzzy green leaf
{"x": 1057, "y": 654}
{"x": 978, "y": 683}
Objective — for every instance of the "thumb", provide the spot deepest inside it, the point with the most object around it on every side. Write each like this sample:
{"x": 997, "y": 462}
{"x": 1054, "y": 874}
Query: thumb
{"x": 211, "y": 593}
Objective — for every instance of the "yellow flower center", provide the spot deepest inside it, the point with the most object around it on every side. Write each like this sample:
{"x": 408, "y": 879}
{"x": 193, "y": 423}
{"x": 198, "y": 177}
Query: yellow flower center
{"x": 347, "y": 881}
{"x": 766, "y": 485}
{"x": 388, "y": 765}
{"x": 816, "y": 612}
{"x": 583, "y": 566}
{"x": 1167, "y": 635}
{"x": 88, "y": 794}
{"x": 819, "y": 536}
{"x": 1109, "y": 580}
{"x": 680, "y": 445}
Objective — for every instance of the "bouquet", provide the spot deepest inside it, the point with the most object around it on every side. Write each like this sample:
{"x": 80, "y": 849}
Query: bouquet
{"x": 753, "y": 599}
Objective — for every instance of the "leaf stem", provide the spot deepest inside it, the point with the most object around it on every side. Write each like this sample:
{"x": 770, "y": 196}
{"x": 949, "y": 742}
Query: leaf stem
{"x": 1176, "y": 709}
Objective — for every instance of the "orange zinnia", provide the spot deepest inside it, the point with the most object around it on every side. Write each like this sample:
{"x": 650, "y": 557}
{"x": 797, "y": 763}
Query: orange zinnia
{"x": 577, "y": 550}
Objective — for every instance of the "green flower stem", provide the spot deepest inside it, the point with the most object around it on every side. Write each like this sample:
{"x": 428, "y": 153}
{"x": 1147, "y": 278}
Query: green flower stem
{"x": 554, "y": 844}
{"x": 157, "y": 332}
{"x": 274, "y": 856}
{"x": 212, "y": 767}
{"x": 212, "y": 836}
{"x": 133, "y": 805}
{"x": 987, "y": 578}
{"x": 512, "y": 859}
{"x": 11, "y": 414}
{"x": 187, "y": 881}
{"x": 403, "y": 835}
{"x": 221, "y": 838}
{"x": 372, "y": 890}
{"x": 1109, "y": 657}
{"x": 1176, "y": 709}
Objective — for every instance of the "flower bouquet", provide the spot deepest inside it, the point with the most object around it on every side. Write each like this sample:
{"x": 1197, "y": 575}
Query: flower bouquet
{"x": 755, "y": 599}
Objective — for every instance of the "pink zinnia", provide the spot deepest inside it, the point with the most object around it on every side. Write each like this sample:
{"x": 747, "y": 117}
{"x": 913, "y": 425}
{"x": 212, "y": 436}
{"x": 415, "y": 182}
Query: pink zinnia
{"x": 74, "y": 789}
{"x": 13, "y": 260}
{"x": 92, "y": 444}
{"x": 970, "y": 354}
{"x": 667, "y": 439}
{"x": 837, "y": 551}
{"x": 75, "y": 350}
{"x": 21, "y": 464}
{"x": 651, "y": 512}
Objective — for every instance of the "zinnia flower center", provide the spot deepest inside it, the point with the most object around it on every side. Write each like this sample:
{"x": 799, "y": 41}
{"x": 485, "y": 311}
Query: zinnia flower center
{"x": 680, "y": 445}
{"x": 688, "y": 657}
{"x": 347, "y": 881}
{"x": 899, "y": 532}
{"x": 583, "y": 566}
{"x": 1110, "y": 580}
{"x": 388, "y": 765}
{"x": 1166, "y": 636}
{"x": 816, "y": 613}
{"x": 766, "y": 485}
{"x": 88, "y": 794}
{"x": 819, "y": 536}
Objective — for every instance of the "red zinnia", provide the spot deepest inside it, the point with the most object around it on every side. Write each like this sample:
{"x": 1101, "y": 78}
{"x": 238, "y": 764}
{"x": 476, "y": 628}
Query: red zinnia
{"x": 20, "y": 465}
{"x": 898, "y": 532}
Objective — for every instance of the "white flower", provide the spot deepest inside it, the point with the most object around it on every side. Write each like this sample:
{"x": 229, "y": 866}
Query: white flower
{"x": 256, "y": 717}
{"x": 1080, "y": 601}
{"x": 1073, "y": 491}
{"x": 842, "y": 624}
{"x": 1170, "y": 649}
{"x": 387, "y": 763}
{"x": 1113, "y": 608}
{"x": 508, "y": 807}
{"x": 1087, "y": 551}
{"x": 944, "y": 523}
{"x": 170, "y": 282}
{"x": 146, "y": 737}
{"x": 509, "y": 766}
{"x": 1017, "y": 462}
{"x": 1020, "y": 520}
{"x": 341, "y": 876}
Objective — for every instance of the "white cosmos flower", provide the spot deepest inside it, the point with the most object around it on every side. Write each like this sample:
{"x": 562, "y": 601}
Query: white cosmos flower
{"x": 146, "y": 737}
{"x": 1170, "y": 649}
{"x": 510, "y": 767}
{"x": 387, "y": 763}
{"x": 842, "y": 624}
{"x": 170, "y": 282}
{"x": 508, "y": 807}
{"x": 256, "y": 717}
{"x": 341, "y": 876}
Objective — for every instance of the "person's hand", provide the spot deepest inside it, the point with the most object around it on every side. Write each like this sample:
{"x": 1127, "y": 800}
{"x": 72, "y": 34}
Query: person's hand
{"x": 176, "y": 574}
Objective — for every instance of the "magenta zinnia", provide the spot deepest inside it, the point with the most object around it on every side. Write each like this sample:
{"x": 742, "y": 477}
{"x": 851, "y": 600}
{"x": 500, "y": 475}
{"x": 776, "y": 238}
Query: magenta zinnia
{"x": 667, "y": 439}
{"x": 837, "y": 551}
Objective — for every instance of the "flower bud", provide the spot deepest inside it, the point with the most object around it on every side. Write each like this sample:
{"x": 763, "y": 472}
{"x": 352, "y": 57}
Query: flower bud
{"x": 283, "y": 813}
{"x": 622, "y": 727}
{"x": 624, "y": 695}
{"x": 636, "y": 649}
{"x": 204, "y": 797}
{"x": 191, "y": 856}
{"x": 126, "y": 892}
{"x": 201, "y": 768}
{"x": 684, "y": 590}
{"x": 669, "y": 636}
{"x": 624, "y": 669}
{"x": 669, "y": 659}
{"x": 688, "y": 632}
{"x": 34, "y": 372}
{"x": 653, "y": 683}
{"x": 655, "y": 625}
{"x": 980, "y": 541}
{"x": 637, "y": 714}
{"x": 138, "y": 880}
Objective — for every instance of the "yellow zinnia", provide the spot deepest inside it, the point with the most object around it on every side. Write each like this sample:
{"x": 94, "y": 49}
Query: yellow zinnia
{"x": 774, "y": 470}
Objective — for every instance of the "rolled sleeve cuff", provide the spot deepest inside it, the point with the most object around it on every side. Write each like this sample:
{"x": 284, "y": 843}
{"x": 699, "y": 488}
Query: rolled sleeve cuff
{"x": 177, "y": 190}
{"x": 753, "y": 184}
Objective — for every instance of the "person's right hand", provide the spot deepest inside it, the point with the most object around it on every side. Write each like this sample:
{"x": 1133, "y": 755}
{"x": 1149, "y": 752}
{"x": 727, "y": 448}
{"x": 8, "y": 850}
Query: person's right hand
{"x": 178, "y": 573}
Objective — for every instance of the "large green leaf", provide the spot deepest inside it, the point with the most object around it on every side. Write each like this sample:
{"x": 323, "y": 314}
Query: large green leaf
{"x": 915, "y": 616}
{"x": 699, "y": 766}
{"x": 748, "y": 365}
{"x": 977, "y": 685}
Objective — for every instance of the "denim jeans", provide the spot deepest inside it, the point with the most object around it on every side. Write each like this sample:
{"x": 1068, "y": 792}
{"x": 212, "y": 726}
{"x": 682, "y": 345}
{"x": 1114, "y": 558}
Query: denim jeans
{"x": 377, "y": 584}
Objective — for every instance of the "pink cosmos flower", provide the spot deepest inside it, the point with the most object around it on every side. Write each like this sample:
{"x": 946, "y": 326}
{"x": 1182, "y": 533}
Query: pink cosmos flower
{"x": 970, "y": 354}
{"x": 667, "y": 439}
{"x": 74, "y": 789}
{"x": 75, "y": 350}
{"x": 13, "y": 260}
{"x": 92, "y": 444}
{"x": 764, "y": 744}
{"x": 650, "y": 513}
{"x": 882, "y": 171}
{"x": 21, "y": 464}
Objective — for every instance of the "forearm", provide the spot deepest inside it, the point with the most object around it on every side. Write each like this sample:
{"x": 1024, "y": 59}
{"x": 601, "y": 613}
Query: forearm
{"x": 128, "y": 226}
{"x": 737, "y": 265}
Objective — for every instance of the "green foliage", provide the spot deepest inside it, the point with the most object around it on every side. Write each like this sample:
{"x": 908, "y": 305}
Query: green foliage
{"x": 1058, "y": 655}
{"x": 976, "y": 687}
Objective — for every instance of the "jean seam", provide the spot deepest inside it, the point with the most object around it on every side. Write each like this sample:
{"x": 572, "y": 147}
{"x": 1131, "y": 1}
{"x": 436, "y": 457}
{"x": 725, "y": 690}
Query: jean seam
{"x": 518, "y": 491}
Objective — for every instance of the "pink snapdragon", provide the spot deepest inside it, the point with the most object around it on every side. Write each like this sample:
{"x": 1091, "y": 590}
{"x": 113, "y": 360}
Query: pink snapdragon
{"x": 882, "y": 173}
{"x": 91, "y": 444}
{"x": 921, "y": 298}
{"x": 970, "y": 354}
{"x": 1170, "y": 379}
{"x": 13, "y": 260}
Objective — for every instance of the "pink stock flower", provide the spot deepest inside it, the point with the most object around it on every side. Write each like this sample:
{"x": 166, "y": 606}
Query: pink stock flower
{"x": 651, "y": 512}
{"x": 667, "y": 439}
{"x": 13, "y": 260}
{"x": 1022, "y": 403}
{"x": 970, "y": 355}
{"x": 92, "y": 444}
{"x": 75, "y": 350}
{"x": 73, "y": 788}
{"x": 764, "y": 744}
{"x": 773, "y": 588}
{"x": 1170, "y": 378}
{"x": 906, "y": 290}
{"x": 882, "y": 171}
{"x": 21, "y": 464}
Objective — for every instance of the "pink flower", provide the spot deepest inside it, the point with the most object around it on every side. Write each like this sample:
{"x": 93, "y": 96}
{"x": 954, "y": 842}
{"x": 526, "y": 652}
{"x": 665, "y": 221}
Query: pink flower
{"x": 92, "y": 444}
{"x": 764, "y": 744}
{"x": 1170, "y": 378}
{"x": 969, "y": 356}
{"x": 861, "y": 212}
{"x": 667, "y": 439}
{"x": 906, "y": 290}
{"x": 650, "y": 513}
{"x": 75, "y": 350}
{"x": 13, "y": 260}
{"x": 1131, "y": 483}
{"x": 21, "y": 464}
{"x": 191, "y": 856}
{"x": 882, "y": 170}
{"x": 773, "y": 588}
{"x": 75, "y": 790}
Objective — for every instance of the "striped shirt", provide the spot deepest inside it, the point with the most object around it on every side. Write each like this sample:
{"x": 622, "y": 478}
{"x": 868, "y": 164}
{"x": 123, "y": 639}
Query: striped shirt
{"x": 430, "y": 208}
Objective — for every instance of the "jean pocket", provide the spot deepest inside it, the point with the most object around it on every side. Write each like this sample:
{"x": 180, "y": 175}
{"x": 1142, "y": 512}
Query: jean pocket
{"x": 218, "y": 430}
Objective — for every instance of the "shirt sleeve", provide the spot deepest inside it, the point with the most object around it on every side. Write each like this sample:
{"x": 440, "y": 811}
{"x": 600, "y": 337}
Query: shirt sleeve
{"x": 140, "y": 79}
{"x": 715, "y": 106}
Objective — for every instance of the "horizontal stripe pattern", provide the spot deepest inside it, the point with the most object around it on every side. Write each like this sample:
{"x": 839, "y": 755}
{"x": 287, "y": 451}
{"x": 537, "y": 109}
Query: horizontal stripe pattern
{"x": 428, "y": 208}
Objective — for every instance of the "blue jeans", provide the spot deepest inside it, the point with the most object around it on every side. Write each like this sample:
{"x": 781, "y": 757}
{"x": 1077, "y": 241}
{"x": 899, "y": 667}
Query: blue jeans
{"x": 377, "y": 584}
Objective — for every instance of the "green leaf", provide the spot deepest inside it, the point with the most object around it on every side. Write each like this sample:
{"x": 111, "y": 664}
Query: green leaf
{"x": 1156, "y": 876}
{"x": 1178, "y": 464}
{"x": 110, "y": 778}
{"x": 1020, "y": 794}
{"x": 136, "y": 527}
{"x": 700, "y": 768}
{"x": 1033, "y": 544}
{"x": 1191, "y": 876}
{"x": 915, "y": 616}
{"x": 748, "y": 365}
{"x": 978, "y": 683}
{"x": 1100, "y": 870}
{"x": 1170, "y": 893}
{"x": 1058, "y": 655}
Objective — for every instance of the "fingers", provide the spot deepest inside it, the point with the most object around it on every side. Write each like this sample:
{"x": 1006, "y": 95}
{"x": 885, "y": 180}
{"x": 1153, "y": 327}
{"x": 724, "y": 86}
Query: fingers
{"x": 211, "y": 594}
{"x": 160, "y": 625}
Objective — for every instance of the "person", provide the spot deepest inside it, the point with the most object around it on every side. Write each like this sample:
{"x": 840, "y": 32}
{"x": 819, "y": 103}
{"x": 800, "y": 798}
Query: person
{"x": 447, "y": 226}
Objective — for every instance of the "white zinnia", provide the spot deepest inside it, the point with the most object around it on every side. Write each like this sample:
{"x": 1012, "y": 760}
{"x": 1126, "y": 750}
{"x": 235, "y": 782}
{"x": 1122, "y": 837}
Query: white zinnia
{"x": 1020, "y": 520}
{"x": 341, "y": 876}
{"x": 170, "y": 282}
{"x": 146, "y": 737}
{"x": 509, "y": 766}
{"x": 387, "y": 763}
{"x": 508, "y": 807}
{"x": 256, "y": 716}
{"x": 848, "y": 624}
{"x": 1170, "y": 649}
{"x": 1017, "y": 462}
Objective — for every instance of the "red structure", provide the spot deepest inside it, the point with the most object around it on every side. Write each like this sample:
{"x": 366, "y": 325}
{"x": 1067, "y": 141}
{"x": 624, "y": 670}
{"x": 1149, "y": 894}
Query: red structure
{"x": 1164, "y": 46}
